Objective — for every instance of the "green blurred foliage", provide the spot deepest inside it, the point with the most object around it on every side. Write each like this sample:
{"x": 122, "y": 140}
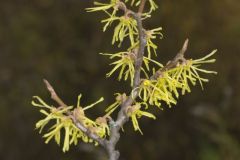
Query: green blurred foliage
{"x": 59, "y": 41}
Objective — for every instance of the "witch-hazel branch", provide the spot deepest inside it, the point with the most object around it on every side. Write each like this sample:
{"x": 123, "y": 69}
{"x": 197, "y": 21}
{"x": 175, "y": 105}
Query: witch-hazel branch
{"x": 152, "y": 84}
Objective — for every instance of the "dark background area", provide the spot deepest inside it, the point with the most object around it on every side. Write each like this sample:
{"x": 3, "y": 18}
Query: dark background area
{"x": 59, "y": 41}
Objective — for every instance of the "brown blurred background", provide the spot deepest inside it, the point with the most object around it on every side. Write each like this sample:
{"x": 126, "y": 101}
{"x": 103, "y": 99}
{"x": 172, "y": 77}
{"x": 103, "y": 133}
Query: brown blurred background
{"x": 59, "y": 41}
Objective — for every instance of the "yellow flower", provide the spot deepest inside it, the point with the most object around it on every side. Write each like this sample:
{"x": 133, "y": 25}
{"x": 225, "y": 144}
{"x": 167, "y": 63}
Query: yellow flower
{"x": 120, "y": 98}
{"x": 103, "y": 6}
{"x": 152, "y": 34}
{"x": 125, "y": 63}
{"x": 127, "y": 26}
{"x": 62, "y": 120}
{"x": 152, "y": 4}
{"x": 167, "y": 86}
{"x": 102, "y": 127}
{"x": 135, "y": 113}
{"x": 198, "y": 62}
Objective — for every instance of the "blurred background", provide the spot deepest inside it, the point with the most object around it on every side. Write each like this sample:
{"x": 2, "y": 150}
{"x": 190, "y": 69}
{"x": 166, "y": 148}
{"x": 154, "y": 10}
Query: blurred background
{"x": 59, "y": 41}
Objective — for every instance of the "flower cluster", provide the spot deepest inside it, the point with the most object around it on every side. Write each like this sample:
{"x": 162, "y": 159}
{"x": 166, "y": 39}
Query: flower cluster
{"x": 168, "y": 84}
{"x": 135, "y": 113}
{"x": 164, "y": 86}
{"x": 125, "y": 63}
{"x": 127, "y": 26}
{"x": 120, "y": 98}
{"x": 62, "y": 119}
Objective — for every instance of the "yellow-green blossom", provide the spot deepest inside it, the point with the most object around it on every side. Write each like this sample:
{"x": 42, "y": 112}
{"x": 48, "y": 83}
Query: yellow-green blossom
{"x": 124, "y": 63}
{"x": 62, "y": 121}
{"x": 120, "y": 98}
{"x": 167, "y": 86}
{"x": 153, "y": 5}
{"x": 102, "y": 128}
{"x": 162, "y": 91}
{"x": 190, "y": 71}
{"x": 127, "y": 26}
{"x": 135, "y": 112}
{"x": 156, "y": 91}
{"x": 112, "y": 18}
{"x": 150, "y": 35}
{"x": 103, "y": 6}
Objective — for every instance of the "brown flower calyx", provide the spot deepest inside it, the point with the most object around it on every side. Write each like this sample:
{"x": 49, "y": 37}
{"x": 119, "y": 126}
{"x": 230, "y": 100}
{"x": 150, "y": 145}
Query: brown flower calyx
{"x": 121, "y": 97}
{"x": 92, "y": 129}
{"x": 101, "y": 120}
{"x": 78, "y": 114}
{"x": 131, "y": 109}
{"x": 133, "y": 54}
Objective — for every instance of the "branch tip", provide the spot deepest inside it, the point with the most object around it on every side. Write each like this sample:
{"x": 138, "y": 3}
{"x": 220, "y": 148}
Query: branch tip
{"x": 185, "y": 45}
{"x": 54, "y": 95}
{"x": 184, "y": 48}
{"x": 49, "y": 86}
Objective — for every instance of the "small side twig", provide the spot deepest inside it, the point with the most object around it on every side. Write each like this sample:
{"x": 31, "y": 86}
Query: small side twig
{"x": 54, "y": 95}
{"x": 173, "y": 63}
{"x": 141, "y": 6}
{"x": 78, "y": 124}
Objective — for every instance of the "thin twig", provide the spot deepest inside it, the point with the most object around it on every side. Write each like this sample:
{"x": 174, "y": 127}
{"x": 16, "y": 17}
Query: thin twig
{"x": 173, "y": 63}
{"x": 141, "y": 6}
{"x": 78, "y": 124}
{"x": 90, "y": 134}
{"x": 142, "y": 45}
{"x": 54, "y": 95}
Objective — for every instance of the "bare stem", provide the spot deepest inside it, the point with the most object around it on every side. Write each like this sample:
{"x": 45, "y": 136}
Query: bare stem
{"x": 54, "y": 95}
{"x": 173, "y": 63}
{"x": 141, "y": 6}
